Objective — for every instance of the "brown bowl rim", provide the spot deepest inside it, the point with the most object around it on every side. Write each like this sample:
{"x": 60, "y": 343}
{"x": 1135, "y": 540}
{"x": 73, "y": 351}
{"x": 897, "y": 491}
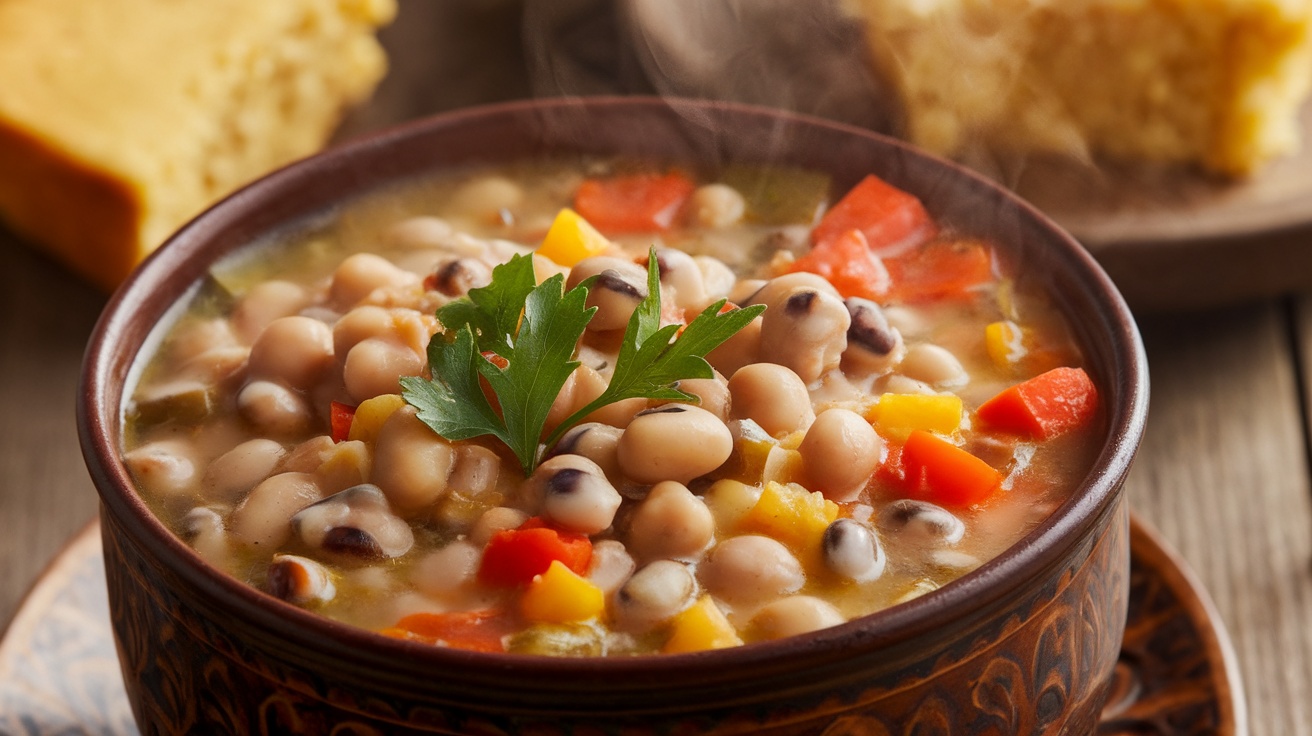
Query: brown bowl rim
{"x": 900, "y": 623}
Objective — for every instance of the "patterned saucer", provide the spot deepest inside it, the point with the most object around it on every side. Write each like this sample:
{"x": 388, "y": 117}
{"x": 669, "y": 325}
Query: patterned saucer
{"x": 1177, "y": 674}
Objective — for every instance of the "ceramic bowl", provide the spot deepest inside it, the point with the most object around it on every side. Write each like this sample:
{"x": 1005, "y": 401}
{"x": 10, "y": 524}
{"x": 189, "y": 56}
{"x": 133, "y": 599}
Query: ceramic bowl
{"x": 1025, "y": 644}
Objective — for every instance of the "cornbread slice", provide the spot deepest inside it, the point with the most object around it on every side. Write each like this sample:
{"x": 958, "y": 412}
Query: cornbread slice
{"x": 121, "y": 120}
{"x": 1218, "y": 83}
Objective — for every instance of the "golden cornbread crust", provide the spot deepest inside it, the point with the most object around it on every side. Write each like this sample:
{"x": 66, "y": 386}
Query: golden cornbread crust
{"x": 1217, "y": 83}
{"x": 121, "y": 120}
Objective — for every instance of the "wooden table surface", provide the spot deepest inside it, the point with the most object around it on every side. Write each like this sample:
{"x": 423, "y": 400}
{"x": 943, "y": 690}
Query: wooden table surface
{"x": 1223, "y": 472}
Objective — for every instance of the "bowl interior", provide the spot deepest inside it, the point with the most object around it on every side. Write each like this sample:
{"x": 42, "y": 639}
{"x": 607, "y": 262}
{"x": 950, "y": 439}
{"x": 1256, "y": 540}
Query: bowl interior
{"x": 708, "y": 133}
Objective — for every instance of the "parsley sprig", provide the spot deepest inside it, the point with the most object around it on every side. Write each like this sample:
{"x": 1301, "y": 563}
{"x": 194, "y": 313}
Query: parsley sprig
{"x": 521, "y": 337}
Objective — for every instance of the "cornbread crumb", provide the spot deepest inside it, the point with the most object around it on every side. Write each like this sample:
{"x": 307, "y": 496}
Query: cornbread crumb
{"x": 1218, "y": 83}
{"x": 121, "y": 120}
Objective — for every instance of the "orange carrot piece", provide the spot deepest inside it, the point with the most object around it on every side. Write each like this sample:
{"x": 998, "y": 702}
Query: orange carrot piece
{"x": 479, "y": 631}
{"x": 633, "y": 203}
{"x": 847, "y": 262}
{"x": 940, "y": 270}
{"x": 1045, "y": 406}
{"x": 891, "y": 220}
{"x": 945, "y": 474}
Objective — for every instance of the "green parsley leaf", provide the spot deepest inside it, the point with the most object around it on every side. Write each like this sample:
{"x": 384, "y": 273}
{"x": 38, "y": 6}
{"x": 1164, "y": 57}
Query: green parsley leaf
{"x": 536, "y": 329}
{"x": 653, "y": 359}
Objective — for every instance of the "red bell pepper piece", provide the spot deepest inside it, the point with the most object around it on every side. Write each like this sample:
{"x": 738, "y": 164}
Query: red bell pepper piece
{"x": 340, "y": 417}
{"x": 633, "y": 203}
{"x": 942, "y": 473}
{"x": 940, "y": 270}
{"x": 847, "y": 262}
{"x": 891, "y": 220}
{"x": 1045, "y": 406}
{"x": 514, "y": 556}
{"x": 479, "y": 631}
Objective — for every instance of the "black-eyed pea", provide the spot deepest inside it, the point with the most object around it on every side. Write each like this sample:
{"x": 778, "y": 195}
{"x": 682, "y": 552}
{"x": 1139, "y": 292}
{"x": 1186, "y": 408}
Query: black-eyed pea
{"x": 307, "y": 456}
{"x": 654, "y": 594}
{"x": 670, "y": 523}
{"x": 718, "y": 280}
{"x": 680, "y": 274}
{"x": 852, "y": 551}
{"x": 354, "y": 524}
{"x": 771, "y": 395}
{"x": 751, "y": 569}
{"x": 359, "y": 324}
{"x": 897, "y": 383}
{"x": 411, "y": 462}
{"x": 742, "y": 348}
{"x": 295, "y": 351}
{"x": 360, "y": 274}
{"x": 484, "y": 198}
{"x": 618, "y": 289}
{"x": 419, "y": 233}
{"x": 299, "y": 580}
{"x": 196, "y": 337}
{"x": 229, "y": 476}
{"x": 374, "y": 367}
{"x": 611, "y": 565}
{"x": 840, "y": 453}
{"x": 798, "y": 614}
{"x": 495, "y": 519}
{"x": 774, "y": 292}
{"x": 712, "y": 394}
{"x": 457, "y": 276}
{"x": 873, "y": 344}
{"x": 806, "y": 330}
{"x": 476, "y": 470}
{"x": 673, "y": 442}
{"x": 597, "y": 442}
{"x": 921, "y": 522}
{"x": 716, "y": 206}
{"x": 164, "y": 468}
{"x": 575, "y": 494}
{"x": 274, "y": 409}
{"x": 933, "y": 364}
{"x": 263, "y": 518}
{"x": 203, "y": 528}
{"x": 447, "y": 571}
{"x": 264, "y": 303}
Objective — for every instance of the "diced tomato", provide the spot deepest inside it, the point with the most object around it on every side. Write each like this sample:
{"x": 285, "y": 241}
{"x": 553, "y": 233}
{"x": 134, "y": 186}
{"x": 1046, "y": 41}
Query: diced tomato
{"x": 340, "y": 417}
{"x": 891, "y": 220}
{"x": 633, "y": 203}
{"x": 479, "y": 631}
{"x": 847, "y": 262}
{"x": 1045, "y": 406}
{"x": 942, "y": 473}
{"x": 514, "y": 556}
{"x": 940, "y": 270}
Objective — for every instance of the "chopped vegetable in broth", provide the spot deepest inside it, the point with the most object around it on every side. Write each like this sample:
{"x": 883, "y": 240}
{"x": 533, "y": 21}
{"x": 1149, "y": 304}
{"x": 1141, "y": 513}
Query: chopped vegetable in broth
{"x": 612, "y": 408}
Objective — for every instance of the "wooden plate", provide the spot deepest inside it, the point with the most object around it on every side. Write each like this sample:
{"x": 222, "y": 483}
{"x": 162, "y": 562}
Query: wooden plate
{"x": 1176, "y": 677}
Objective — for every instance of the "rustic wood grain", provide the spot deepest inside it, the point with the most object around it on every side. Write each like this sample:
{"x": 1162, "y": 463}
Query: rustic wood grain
{"x": 45, "y": 494}
{"x": 1223, "y": 474}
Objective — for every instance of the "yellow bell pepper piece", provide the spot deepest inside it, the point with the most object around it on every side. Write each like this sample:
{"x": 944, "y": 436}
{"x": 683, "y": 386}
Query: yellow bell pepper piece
{"x": 896, "y": 415}
{"x": 571, "y": 238}
{"x": 1005, "y": 342}
{"x": 699, "y": 627}
{"x": 791, "y": 514}
{"x": 370, "y": 415}
{"x": 561, "y": 596}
